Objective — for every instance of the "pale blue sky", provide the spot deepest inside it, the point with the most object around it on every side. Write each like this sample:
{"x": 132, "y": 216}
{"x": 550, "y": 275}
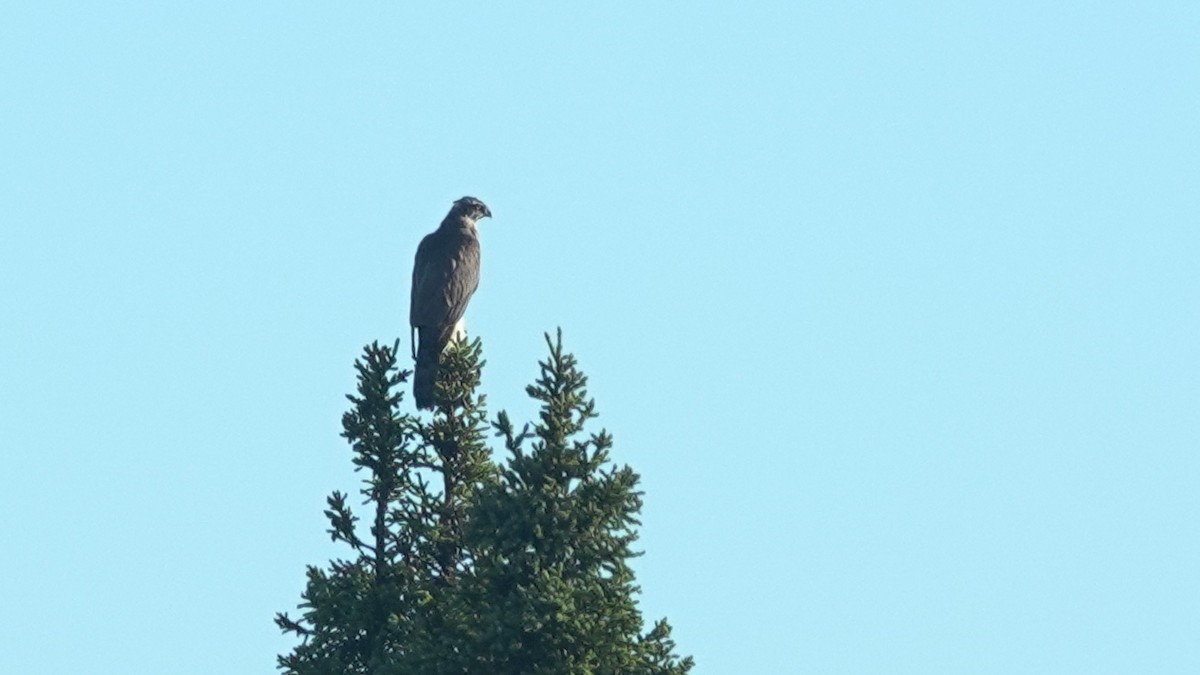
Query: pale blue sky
{"x": 894, "y": 308}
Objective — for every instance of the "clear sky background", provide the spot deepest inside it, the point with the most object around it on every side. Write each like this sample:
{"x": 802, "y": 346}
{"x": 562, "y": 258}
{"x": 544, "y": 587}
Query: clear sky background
{"x": 894, "y": 307}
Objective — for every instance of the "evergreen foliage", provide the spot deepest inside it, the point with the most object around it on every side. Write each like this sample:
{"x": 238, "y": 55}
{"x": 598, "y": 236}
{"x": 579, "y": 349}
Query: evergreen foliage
{"x": 469, "y": 566}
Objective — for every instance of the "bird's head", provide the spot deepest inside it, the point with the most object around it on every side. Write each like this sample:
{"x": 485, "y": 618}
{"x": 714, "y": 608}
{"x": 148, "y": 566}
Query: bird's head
{"x": 472, "y": 208}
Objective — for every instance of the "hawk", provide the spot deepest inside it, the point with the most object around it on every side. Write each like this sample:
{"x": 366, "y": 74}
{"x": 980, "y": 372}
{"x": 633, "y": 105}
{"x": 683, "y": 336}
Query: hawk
{"x": 445, "y": 275}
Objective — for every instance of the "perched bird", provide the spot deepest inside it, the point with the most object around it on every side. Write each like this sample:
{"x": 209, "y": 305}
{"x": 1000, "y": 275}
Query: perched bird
{"x": 445, "y": 275}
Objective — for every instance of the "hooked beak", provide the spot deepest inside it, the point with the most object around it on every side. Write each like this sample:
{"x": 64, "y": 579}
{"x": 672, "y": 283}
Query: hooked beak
{"x": 487, "y": 213}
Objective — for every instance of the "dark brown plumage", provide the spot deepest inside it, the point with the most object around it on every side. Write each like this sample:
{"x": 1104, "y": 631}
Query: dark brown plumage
{"x": 445, "y": 275}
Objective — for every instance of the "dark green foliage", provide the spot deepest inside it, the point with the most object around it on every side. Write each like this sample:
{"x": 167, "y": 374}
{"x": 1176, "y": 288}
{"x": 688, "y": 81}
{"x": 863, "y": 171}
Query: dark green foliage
{"x": 377, "y": 610}
{"x": 468, "y": 567}
{"x": 552, "y": 538}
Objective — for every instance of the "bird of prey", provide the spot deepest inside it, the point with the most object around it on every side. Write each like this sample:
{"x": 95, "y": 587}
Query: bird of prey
{"x": 445, "y": 275}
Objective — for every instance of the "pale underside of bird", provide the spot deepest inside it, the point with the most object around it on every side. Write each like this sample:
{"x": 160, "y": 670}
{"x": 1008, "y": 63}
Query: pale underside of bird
{"x": 445, "y": 275}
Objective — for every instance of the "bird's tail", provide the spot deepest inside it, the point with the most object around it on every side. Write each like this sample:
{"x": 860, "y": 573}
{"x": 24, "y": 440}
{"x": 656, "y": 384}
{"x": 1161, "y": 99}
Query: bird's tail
{"x": 426, "y": 370}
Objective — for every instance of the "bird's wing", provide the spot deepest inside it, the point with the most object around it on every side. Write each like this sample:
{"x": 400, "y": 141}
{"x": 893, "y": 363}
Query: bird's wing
{"x": 445, "y": 275}
{"x": 417, "y": 308}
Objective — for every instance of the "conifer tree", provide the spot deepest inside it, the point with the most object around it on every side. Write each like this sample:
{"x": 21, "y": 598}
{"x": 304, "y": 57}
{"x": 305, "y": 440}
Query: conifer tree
{"x": 468, "y": 567}
{"x": 552, "y": 538}
{"x": 381, "y": 610}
